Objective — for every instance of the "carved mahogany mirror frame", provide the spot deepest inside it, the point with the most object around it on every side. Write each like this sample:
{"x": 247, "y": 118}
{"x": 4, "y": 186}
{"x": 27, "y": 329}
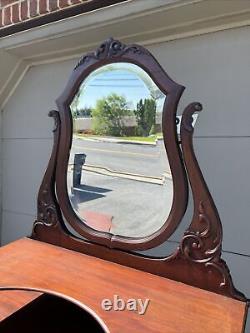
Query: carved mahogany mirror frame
{"x": 110, "y": 52}
{"x": 197, "y": 260}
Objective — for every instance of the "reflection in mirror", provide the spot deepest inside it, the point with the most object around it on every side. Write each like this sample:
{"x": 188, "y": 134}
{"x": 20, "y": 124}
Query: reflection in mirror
{"x": 119, "y": 180}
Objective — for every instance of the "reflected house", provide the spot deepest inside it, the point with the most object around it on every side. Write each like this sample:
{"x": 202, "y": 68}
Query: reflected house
{"x": 85, "y": 125}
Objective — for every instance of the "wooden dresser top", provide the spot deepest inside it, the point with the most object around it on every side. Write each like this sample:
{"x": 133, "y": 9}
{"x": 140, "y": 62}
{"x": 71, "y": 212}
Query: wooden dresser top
{"x": 174, "y": 307}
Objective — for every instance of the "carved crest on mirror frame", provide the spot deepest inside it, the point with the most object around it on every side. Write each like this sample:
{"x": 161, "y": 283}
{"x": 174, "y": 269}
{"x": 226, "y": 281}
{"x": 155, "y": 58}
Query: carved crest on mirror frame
{"x": 110, "y": 48}
{"x": 197, "y": 260}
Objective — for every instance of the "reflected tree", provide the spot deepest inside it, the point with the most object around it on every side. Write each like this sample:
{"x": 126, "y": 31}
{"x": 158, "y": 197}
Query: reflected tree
{"x": 146, "y": 115}
{"x": 109, "y": 115}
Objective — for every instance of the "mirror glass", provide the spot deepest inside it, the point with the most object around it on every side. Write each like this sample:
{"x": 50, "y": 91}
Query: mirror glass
{"x": 119, "y": 180}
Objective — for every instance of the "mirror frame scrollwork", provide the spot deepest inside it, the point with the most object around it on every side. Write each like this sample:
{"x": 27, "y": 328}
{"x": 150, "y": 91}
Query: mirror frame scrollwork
{"x": 197, "y": 260}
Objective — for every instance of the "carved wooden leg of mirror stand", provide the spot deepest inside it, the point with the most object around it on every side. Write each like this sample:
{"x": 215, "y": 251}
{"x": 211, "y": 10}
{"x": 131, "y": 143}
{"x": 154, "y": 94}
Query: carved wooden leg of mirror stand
{"x": 48, "y": 212}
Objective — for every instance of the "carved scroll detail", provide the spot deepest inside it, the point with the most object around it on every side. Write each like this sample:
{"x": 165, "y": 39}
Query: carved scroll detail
{"x": 194, "y": 245}
{"x": 110, "y": 48}
{"x": 47, "y": 210}
{"x": 55, "y": 115}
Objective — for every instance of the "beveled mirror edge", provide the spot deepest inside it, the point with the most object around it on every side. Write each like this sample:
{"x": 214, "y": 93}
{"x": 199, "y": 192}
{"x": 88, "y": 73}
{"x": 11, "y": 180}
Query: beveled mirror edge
{"x": 195, "y": 262}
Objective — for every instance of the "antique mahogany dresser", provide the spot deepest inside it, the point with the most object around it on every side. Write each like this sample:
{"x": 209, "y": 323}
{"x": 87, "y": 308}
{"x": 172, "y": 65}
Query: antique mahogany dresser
{"x": 114, "y": 193}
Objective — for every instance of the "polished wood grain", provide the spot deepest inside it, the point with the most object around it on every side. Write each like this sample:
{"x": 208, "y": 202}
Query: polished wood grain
{"x": 174, "y": 307}
{"x": 12, "y": 301}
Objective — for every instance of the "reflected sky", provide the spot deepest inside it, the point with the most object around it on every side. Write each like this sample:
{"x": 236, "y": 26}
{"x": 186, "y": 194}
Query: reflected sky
{"x": 128, "y": 81}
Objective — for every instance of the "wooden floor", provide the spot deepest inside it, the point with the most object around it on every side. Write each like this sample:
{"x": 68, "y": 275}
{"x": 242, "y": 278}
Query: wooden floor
{"x": 173, "y": 308}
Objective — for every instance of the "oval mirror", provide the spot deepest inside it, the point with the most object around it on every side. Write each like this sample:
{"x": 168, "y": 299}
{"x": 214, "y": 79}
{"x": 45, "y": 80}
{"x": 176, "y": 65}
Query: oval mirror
{"x": 118, "y": 179}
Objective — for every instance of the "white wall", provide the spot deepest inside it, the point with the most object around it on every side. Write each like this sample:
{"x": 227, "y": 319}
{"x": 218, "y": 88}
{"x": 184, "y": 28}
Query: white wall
{"x": 215, "y": 68}
{"x": 27, "y": 143}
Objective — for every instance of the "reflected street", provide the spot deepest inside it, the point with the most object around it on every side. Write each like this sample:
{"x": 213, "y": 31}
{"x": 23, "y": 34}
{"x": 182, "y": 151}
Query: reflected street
{"x": 122, "y": 182}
